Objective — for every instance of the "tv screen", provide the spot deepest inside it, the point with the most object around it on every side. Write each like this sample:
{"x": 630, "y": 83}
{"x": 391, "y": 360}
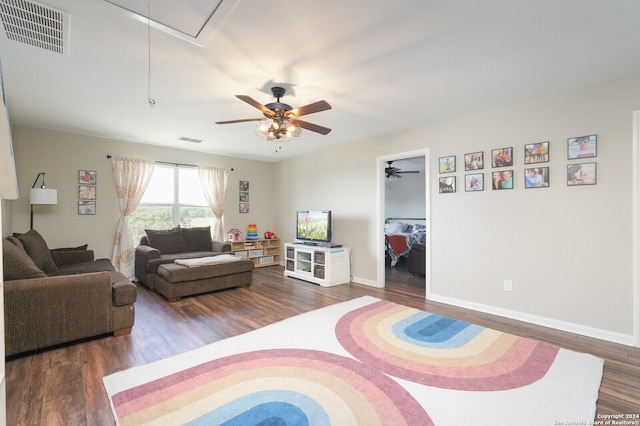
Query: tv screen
{"x": 313, "y": 225}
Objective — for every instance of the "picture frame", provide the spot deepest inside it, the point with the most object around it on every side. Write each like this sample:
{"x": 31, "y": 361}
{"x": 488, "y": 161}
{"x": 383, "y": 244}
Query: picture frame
{"x": 536, "y": 153}
{"x": 474, "y": 161}
{"x": 474, "y": 182}
{"x": 580, "y": 147}
{"x": 502, "y": 179}
{"x": 447, "y": 164}
{"x": 243, "y": 208}
{"x": 502, "y": 157}
{"x": 244, "y": 185}
{"x": 536, "y": 177}
{"x": 87, "y": 177}
{"x": 244, "y": 196}
{"x": 86, "y": 192}
{"x": 86, "y": 207}
{"x": 447, "y": 185}
{"x": 582, "y": 174}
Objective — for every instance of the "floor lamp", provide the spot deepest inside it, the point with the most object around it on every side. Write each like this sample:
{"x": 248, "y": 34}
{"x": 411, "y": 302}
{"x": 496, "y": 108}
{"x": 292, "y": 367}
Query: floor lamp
{"x": 42, "y": 195}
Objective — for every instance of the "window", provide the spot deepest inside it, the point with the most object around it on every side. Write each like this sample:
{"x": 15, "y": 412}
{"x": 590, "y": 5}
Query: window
{"x": 174, "y": 197}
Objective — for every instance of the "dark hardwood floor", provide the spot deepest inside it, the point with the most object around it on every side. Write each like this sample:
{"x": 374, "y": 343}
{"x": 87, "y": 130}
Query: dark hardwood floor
{"x": 63, "y": 385}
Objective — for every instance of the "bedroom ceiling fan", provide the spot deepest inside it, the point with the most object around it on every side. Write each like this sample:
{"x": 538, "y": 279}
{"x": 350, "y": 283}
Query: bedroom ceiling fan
{"x": 281, "y": 122}
{"x": 394, "y": 172}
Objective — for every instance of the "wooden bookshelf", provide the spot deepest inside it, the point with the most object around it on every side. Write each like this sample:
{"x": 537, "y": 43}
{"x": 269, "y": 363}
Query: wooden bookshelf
{"x": 263, "y": 252}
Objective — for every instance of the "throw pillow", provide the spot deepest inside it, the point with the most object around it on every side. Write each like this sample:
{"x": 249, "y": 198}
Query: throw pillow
{"x": 15, "y": 241}
{"x": 17, "y": 264}
{"x": 197, "y": 239}
{"x": 36, "y": 248}
{"x": 167, "y": 241}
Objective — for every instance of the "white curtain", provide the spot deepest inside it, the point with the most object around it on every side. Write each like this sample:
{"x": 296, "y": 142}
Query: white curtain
{"x": 131, "y": 177}
{"x": 214, "y": 185}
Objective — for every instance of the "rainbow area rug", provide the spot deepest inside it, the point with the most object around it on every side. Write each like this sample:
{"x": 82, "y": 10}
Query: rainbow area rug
{"x": 362, "y": 362}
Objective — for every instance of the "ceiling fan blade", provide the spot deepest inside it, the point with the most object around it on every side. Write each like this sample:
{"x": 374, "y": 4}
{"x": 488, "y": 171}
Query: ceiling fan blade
{"x": 238, "y": 121}
{"x": 409, "y": 171}
{"x": 310, "y": 109}
{"x": 313, "y": 127}
{"x": 255, "y": 104}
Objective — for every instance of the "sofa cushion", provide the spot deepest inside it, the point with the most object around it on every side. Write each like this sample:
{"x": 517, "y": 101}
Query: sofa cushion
{"x": 15, "y": 241}
{"x": 98, "y": 265}
{"x": 174, "y": 273}
{"x": 17, "y": 264}
{"x": 36, "y": 248}
{"x": 197, "y": 239}
{"x": 167, "y": 241}
{"x": 82, "y": 247}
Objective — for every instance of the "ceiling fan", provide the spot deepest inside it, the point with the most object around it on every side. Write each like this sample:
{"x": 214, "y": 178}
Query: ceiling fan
{"x": 394, "y": 172}
{"x": 281, "y": 122}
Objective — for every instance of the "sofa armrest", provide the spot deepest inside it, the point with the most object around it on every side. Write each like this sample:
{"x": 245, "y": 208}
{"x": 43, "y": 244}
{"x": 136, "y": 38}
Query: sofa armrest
{"x": 218, "y": 246}
{"x": 41, "y": 312}
{"x": 146, "y": 253}
{"x": 69, "y": 257}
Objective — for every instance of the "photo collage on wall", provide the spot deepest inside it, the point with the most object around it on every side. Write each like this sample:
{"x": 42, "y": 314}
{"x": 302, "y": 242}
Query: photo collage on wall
{"x": 244, "y": 196}
{"x": 579, "y": 172}
{"x": 87, "y": 194}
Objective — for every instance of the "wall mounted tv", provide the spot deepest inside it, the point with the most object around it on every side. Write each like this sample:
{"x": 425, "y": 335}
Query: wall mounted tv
{"x": 313, "y": 226}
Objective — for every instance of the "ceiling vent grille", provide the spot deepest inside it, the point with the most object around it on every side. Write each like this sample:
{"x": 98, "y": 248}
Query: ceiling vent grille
{"x": 34, "y": 24}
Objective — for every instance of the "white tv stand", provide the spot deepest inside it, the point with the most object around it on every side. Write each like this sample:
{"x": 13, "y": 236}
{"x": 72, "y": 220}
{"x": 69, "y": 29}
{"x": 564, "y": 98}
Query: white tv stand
{"x": 327, "y": 266}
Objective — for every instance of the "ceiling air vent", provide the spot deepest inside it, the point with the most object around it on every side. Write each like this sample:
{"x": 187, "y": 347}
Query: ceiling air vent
{"x": 34, "y": 24}
{"x": 186, "y": 139}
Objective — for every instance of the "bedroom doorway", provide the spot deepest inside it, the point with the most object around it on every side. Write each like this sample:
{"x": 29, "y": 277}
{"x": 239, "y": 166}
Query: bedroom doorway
{"x": 403, "y": 196}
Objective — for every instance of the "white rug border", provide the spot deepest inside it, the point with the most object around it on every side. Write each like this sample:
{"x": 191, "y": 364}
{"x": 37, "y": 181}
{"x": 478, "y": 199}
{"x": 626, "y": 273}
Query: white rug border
{"x": 539, "y": 404}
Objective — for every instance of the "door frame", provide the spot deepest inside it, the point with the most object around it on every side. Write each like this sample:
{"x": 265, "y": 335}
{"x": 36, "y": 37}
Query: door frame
{"x": 381, "y": 163}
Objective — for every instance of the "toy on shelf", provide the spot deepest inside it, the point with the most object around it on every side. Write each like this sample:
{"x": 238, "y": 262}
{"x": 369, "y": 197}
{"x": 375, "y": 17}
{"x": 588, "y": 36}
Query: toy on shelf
{"x": 270, "y": 235}
{"x": 252, "y": 232}
{"x": 234, "y": 235}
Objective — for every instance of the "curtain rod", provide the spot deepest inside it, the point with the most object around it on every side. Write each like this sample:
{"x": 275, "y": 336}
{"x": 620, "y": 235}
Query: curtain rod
{"x": 171, "y": 164}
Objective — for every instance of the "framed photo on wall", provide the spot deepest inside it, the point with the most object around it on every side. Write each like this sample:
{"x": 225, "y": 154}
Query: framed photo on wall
{"x": 474, "y": 182}
{"x": 86, "y": 177}
{"x": 536, "y": 153}
{"x": 502, "y": 179}
{"x": 87, "y": 192}
{"x": 582, "y": 147}
{"x": 581, "y": 174}
{"x": 243, "y": 208}
{"x": 502, "y": 157}
{"x": 474, "y": 161}
{"x": 86, "y": 207}
{"x": 447, "y": 164}
{"x": 537, "y": 177}
{"x": 447, "y": 185}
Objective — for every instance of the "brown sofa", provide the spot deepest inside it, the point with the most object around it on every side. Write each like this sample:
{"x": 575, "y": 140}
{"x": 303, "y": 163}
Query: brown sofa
{"x": 59, "y": 296}
{"x": 164, "y": 246}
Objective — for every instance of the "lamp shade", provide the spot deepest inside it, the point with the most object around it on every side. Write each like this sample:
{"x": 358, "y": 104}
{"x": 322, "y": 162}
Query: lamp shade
{"x": 44, "y": 196}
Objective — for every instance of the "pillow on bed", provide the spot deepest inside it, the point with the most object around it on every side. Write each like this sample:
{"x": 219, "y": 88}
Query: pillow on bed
{"x": 393, "y": 228}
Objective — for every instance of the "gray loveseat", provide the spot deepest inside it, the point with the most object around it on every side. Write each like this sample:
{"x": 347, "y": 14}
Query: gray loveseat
{"x": 58, "y": 296}
{"x": 160, "y": 247}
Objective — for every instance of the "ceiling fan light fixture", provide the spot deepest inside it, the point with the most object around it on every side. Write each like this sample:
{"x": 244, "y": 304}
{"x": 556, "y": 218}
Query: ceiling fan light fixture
{"x": 278, "y": 129}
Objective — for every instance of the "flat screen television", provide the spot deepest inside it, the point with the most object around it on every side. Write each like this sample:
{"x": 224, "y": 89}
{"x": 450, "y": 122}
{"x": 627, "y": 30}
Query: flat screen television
{"x": 313, "y": 226}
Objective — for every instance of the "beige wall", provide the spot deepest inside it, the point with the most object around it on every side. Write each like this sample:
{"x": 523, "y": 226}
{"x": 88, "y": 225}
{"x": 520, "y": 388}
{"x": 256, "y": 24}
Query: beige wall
{"x": 567, "y": 249}
{"x": 61, "y": 155}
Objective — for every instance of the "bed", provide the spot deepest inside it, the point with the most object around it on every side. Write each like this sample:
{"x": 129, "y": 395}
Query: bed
{"x": 400, "y": 234}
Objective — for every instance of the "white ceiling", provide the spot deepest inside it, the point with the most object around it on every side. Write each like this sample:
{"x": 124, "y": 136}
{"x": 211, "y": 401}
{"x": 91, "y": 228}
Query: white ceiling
{"x": 383, "y": 66}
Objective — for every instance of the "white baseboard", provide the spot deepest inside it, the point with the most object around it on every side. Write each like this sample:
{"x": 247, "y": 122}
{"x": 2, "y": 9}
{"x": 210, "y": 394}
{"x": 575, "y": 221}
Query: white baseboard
{"x": 583, "y": 330}
{"x": 365, "y": 281}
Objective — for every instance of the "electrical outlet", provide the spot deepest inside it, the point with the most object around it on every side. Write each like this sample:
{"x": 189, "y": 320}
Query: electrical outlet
{"x": 508, "y": 285}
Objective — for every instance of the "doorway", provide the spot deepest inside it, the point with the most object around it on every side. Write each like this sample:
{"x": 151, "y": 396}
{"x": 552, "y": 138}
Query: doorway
{"x": 391, "y": 191}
